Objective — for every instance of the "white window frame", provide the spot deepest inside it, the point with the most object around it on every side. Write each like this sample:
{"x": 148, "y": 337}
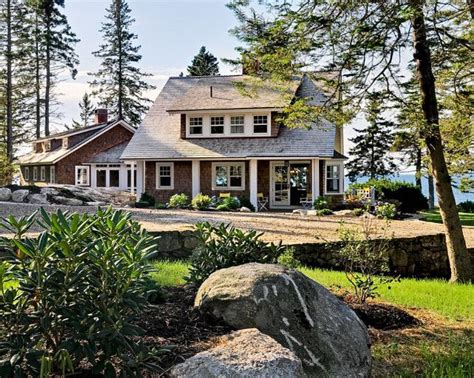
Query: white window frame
{"x": 191, "y": 126}
{"x": 227, "y": 165}
{"x": 79, "y": 167}
{"x": 268, "y": 123}
{"x": 42, "y": 173}
{"x": 47, "y": 145}
{"x": 52, "y": 174}
{"x": 65, "y": 143}
{"x": 35, "y": 173}
{"x": 237, "y": 124}
{"x": 218, "y": 125}
{"x": 158, "y": 166}
{"x": 340, "y": 178}
{"x": 27, "y": 173}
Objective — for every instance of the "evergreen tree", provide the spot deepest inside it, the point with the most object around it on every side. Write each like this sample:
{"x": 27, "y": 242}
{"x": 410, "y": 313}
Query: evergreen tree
{"x": 119, "y": 83}
{"x": 87, "y": 111}
{"x": 204, "y": 64}
{"x": 370, "y": 154}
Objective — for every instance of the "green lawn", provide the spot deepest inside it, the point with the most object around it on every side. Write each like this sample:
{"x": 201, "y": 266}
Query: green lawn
{"x": 454, "y": 301}
{"x": 467, "y": 219}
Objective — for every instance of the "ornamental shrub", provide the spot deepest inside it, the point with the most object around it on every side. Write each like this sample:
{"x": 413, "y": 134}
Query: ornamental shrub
{"x": 225, "y": 246}
{"x": 386, "y": 210}
{"x": 146, "y": 200}
{"x": 228, "y": 204}
{"x": 179, "y": 201}
{"x": 201, "y": 202}
{"x": 245, "y": 202}
{"x": 321, "y": 203}
{"x": 466, "y": 207}
{"x": 68, "y": 297}
{"x": 410, "y": 196}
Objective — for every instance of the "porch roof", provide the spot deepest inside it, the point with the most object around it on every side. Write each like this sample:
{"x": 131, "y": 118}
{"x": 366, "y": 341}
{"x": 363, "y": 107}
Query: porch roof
{"x": 159, "y": 136}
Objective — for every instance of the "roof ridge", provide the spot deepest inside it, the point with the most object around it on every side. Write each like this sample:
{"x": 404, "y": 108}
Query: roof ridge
{"x": 204, "y": 76}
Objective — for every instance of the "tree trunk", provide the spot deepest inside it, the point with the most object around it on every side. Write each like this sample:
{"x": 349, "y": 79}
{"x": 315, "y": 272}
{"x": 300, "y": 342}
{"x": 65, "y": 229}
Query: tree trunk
{"x": 458, "y": 255}
{"x": 37, "y": 79}
{"x": 47, "y": 88}
{"x": 120, "y": 68}
{"x": 431, "y": 190}
{"x": 9, "y": 85}
{"x": 418, "y": 169}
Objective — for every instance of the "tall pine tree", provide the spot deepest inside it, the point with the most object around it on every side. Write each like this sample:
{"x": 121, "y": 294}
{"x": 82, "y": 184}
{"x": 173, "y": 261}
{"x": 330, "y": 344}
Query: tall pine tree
{"x": 87, "y": 111}
{"x": 204, "y": 64}
{"x": 119, "y": 83}
{"x": 370, "y": 154}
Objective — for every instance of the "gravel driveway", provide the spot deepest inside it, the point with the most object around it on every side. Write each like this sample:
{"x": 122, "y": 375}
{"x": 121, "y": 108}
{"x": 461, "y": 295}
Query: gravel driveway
{"x": 290, "y": 228}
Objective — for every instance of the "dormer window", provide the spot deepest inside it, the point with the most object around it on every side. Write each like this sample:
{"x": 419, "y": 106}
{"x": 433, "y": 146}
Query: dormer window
{"x": 237, "y": 124}
{"x": 260, "y": 124}
{"x": 195, "y": 125}
{"x": 65, "y": 143}
{"x": 217, "y": 125}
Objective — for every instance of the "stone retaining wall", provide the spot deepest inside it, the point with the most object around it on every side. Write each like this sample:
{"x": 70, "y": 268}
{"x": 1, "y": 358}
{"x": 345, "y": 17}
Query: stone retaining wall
{"x": 421, "y": 256}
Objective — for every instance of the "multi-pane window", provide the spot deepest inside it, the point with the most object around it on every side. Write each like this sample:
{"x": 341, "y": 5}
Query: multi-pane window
{"x": 35, "y": 173}
{"x": 333, "y": 178}
{"x": 195, "y": 125}
{"x": 27, "y": 173}
{"x": 228, "y": 176}
{"x": 129, "y": 176}
{"x": 82, "y": 175}
{"x": 164, "y": 176}
{"x": 42, "y": 173}
{"x": 217, "y": 125}
{"x": 260, "y": 124}
{"x": 52, "y": 174}
{"x": 237, "y": 124}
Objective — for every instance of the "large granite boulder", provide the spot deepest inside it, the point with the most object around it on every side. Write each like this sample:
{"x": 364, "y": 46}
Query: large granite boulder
{"x": 296, "y": 311}
{"x": 246, "y": 353}
{"x": 5, "y": 194}
{"x": 38, "y": 199}
{"x": 20, "y": 195}
{"x": 68, "y": 201}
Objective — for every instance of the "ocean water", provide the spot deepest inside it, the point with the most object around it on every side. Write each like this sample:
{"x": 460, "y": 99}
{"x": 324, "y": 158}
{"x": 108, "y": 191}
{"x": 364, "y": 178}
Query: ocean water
{"x": 411, "y": 178}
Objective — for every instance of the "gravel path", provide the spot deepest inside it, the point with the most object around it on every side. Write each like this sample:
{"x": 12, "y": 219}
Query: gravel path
{"x": 290, "y": 228}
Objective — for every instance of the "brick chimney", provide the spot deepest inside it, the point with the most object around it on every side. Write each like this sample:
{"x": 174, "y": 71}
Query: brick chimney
{"x": 101, "y": 116}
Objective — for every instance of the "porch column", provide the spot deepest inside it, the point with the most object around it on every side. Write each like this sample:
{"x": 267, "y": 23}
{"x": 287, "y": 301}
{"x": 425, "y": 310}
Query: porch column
{"x": 315, "y": 179}
{"x": 253, "y": 183}
{"x": 140, "y": 179}
{"x": 132, "y": 178}
{"x": 196, "y": 177}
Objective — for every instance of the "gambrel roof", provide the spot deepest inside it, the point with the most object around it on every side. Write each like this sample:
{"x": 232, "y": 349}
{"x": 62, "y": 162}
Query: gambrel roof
{"x": 159, "y": 136}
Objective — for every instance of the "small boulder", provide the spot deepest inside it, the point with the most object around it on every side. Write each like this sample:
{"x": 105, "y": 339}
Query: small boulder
{"x": 49, "y": 191}
{"x": 96, "y": 204}
{"x": 244, "y": 209}
{"x": 5, "y": 194}
{"x": 246, "y": 353}
{"x": 20, "y": 195}
{"x": 68, "y": 201}
{"x": 38, "y": 199}
{"x": 296, "y": 311}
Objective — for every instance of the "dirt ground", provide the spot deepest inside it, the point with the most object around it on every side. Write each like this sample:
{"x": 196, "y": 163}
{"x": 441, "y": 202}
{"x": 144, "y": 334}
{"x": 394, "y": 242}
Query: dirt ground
{"x": 288, "y": 227}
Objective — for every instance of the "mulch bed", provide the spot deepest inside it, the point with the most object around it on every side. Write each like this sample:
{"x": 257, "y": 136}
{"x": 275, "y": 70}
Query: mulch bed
{"x": 176, "y": 323}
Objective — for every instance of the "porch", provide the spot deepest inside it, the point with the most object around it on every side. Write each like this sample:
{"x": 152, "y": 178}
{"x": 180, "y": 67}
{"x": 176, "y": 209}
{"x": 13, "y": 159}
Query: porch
{"x": 285, "y": 183}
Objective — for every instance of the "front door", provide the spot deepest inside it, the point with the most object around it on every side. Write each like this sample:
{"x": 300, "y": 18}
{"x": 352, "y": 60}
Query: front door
{"x": 280, "y": 182}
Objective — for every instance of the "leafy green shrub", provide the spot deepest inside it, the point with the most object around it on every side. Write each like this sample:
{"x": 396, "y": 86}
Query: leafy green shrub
{"x": 466, "y": 207}
{"x": 386, "y": 210}
{"x": 364, "y": 259}
{"x": 201, "y": 202}
{"x": 323, "y": 212}
{"x": 179, "y": 201}
{"x": 226, "y": 246}
{"x": 288, "y": 259}
{"x": 146, "y": 200}
{"x": 321, "y": 203}
{"x": 357, "y": 212}
{"x": 78, "y": 286}
{"x": 410, "y": 197}
{"x": 161, "y": 206}
{"x": 229, "y": 203}
{"x": 245, "y": 202}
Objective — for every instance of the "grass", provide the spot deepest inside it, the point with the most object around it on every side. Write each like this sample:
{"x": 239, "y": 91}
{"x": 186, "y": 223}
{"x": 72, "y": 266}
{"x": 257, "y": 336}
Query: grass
{"x": 442, "y": 347}
{"x": 467, "y": 219}
{"x": 453, "y": 301}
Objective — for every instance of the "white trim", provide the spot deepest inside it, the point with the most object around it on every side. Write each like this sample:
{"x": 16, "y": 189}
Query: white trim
{"x": 95, "y": 136}
{"x": 315, "y": 178}
{"x": 171, "y": 166}
{"x": 341, "y": 176}
{"x": 27, "y": 174}
{"x": 253, "y": 167}
{"x": 274, "y": 164}
{"x": 196, "y": 177}
{"x": 228, "y": 165}
{"x": 76, "y": 169}
{"x": 42, "y": 173}
{"x": 246, "y": 158}
{"x": 227, "y": 111}
{"x": 52, "y": 174}
{"x": 248, "y": 124}
{"x": 35, "y": 173}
